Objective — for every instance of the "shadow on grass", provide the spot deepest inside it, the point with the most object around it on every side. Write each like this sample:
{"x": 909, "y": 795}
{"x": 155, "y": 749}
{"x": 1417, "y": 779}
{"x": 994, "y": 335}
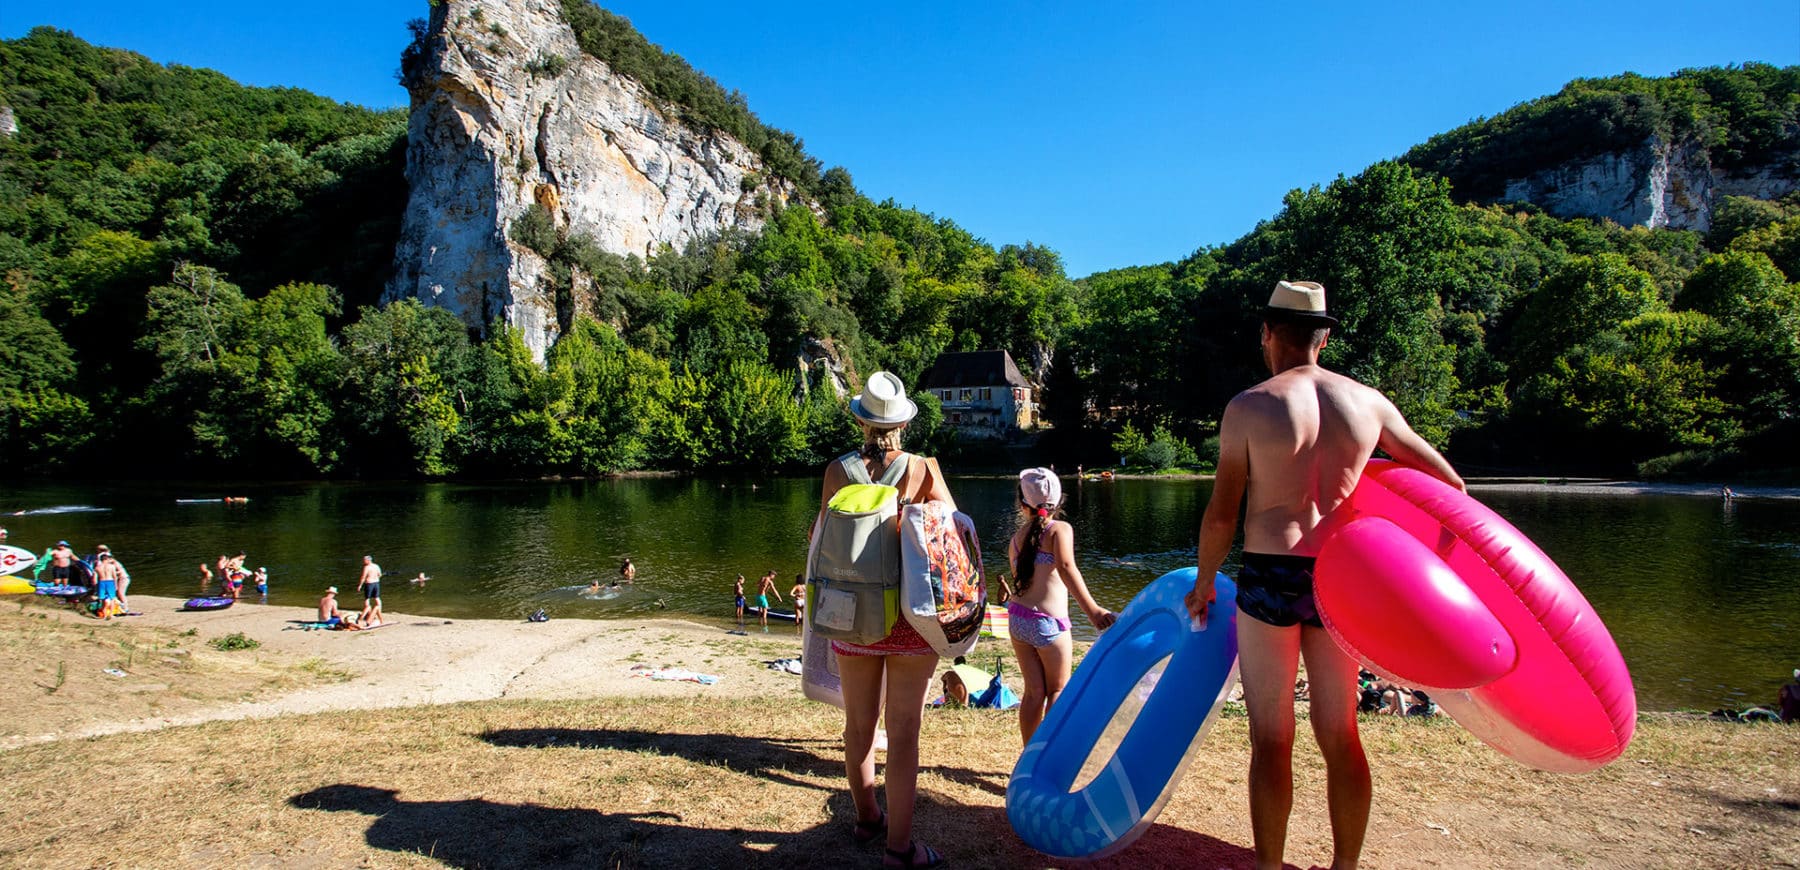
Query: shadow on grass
{"x": 770, "y": 758}
{"x": 476, "y": 832}
{"x": 480, "y": 833}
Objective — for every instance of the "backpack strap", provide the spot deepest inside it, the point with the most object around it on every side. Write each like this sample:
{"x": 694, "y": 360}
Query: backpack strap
{"x": 854, "y": 468}
{"x": 857, "y": 472}
{"x": 895, "y": 471}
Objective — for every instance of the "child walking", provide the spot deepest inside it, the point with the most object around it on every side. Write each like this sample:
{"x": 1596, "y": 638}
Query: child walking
{"x": 1042, "y": 553}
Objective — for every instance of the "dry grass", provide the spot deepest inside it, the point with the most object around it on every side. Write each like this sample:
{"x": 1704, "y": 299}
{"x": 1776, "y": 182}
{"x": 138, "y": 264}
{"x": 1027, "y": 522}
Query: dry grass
{"x": 59, "y": 676}
{"x": 758, "y": 782}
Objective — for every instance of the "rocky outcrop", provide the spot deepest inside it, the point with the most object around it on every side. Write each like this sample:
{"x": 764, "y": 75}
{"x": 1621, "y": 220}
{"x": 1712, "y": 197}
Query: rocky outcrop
{"x": 508, "y": 114}
{"x": 1658, "y": 184}
{"x": 9, "y": 124}
{"x": 821, "y": 364}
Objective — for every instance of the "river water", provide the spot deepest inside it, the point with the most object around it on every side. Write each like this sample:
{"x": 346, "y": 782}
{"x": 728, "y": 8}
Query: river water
{"x": 1702, "y": 597}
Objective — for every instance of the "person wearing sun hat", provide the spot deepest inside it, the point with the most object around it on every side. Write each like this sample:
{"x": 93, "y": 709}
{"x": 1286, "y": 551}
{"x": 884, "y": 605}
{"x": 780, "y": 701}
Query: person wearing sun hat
{"x": 1290, "y": 451}
{"x": 902, "y": 662}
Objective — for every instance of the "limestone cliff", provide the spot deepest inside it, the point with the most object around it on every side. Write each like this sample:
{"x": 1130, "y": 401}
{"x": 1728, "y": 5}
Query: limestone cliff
{"x": 507, "y": 112}
{"x": 1658, "y": 184}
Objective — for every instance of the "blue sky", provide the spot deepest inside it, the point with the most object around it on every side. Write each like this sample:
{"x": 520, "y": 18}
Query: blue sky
{"x": 1116, "y": 133}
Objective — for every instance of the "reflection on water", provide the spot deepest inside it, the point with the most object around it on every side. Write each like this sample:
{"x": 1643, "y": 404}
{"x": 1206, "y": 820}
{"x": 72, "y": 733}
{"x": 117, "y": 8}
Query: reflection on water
{"x": 1701, "y": 598}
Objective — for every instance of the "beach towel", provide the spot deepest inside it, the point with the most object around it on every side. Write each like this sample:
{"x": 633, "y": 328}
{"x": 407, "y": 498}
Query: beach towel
{"x": 786, "y": 666}
{"x": 995, "y": 623}
{"x": 673, "y": 674}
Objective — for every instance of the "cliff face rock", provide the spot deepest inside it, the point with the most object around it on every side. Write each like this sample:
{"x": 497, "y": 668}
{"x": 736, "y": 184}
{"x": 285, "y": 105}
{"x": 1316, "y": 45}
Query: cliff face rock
{"x": 507, "y": 113}
{"x": 1658, "y": 184}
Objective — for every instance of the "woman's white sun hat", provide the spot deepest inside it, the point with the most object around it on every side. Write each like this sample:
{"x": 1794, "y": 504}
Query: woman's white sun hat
{"x": 883, "y": 401}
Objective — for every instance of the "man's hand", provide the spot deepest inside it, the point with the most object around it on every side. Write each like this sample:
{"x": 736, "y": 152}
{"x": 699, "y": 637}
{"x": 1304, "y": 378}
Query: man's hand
{"x": 1201, "y": 598}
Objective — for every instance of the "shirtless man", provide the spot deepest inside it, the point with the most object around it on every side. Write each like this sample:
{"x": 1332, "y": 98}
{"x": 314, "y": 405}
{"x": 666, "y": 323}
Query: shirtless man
{"x": 61, "y": 558}
{"x": 762, "y": 596}
{"x": 329, "y": 612}
{"x": 370, "y": 586}
{"x": 1296, "y": 445}
{"x": 106, "y": 576}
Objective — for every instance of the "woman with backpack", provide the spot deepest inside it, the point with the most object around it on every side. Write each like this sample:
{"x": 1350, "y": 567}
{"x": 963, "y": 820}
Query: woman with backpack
{"x": 903, "y": 658}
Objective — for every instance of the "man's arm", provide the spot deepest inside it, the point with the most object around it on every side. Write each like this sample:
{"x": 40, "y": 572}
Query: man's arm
{"x": 1218, "y": 527}
{"x": 1401, "y": 442}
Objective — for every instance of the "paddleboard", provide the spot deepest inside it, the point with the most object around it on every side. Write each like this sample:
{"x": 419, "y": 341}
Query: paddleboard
{"x": 15, "y": 559}
{"x": 62, "y": 591}
{"x": 781, "y": 615}
{"x": 208, "y": 603}
{"x": 16, "y": 586}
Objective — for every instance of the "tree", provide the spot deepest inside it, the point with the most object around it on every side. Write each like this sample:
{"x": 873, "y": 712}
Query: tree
{"x": 406, "y": 362}
{"x": 1638, "y": 390}
{"x": 1758, "y": 344}
{"x": 1585, "y": 297}
{"x": 742, "y": 417}
{"x": 283, "y": 379}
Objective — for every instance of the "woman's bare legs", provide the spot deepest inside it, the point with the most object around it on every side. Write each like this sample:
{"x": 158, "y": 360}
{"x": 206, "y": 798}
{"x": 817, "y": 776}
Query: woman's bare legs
{"x": 861, "y": 681}
{"x": 908, "y": 678}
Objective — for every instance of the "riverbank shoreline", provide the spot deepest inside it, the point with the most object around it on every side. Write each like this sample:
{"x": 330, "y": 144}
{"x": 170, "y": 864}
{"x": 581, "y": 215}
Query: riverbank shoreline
{"x": 412, "y": 661}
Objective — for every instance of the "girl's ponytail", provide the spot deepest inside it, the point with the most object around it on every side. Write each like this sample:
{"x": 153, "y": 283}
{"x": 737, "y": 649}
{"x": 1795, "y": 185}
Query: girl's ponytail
{"x": 1025, "y": 561}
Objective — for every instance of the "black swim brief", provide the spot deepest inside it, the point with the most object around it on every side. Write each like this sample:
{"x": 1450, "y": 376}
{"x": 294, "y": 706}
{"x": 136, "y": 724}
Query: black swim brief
{"x": 1278, "y": 590}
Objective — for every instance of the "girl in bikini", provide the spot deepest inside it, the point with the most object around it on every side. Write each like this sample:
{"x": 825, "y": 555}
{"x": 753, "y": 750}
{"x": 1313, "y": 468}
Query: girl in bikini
{"x": 1042, "y": 553}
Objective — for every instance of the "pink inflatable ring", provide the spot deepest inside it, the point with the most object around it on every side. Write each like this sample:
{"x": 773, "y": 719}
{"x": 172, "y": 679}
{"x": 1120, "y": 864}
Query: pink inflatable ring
{"x": 1531, "y": 669}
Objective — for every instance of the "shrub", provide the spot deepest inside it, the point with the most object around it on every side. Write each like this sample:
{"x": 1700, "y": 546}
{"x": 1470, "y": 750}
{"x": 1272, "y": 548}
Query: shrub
{"x": 234, "y": 641}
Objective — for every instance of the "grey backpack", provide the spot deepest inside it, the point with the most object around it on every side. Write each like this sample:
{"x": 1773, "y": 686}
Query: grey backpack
{"x": 853, "y": 566}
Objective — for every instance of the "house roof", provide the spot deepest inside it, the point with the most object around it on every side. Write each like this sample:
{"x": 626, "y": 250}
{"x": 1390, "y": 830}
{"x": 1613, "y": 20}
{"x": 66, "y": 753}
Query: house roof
{"x": 981, "y": 368}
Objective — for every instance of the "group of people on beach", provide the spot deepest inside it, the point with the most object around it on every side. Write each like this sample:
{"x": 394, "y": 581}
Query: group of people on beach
{"x": 101, "y": 577}
{"x": 232, "y": 576}
{"x": 369, "y": 584}
{"x": 766, "y": 587}
{"x": 1291, "y": 449}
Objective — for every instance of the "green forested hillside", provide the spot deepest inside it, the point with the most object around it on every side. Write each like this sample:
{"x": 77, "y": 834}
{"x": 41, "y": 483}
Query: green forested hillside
{"x": 1745, "y": 117}
{"x": 191, "y": 265}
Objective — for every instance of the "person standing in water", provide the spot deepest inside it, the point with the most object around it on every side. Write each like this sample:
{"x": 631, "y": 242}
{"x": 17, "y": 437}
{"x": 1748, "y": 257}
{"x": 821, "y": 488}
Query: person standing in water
{"x": 1290, "y": 451}
{"x": 763, "y": 591}
{"x": 737, "y": 591}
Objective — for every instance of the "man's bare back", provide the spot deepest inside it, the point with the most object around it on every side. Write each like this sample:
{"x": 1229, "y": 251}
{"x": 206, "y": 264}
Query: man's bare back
{"x": 1306, "y": 434}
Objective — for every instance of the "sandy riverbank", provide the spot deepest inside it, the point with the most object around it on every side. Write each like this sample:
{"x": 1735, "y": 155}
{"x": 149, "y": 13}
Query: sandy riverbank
{"x": 413, "y": 661}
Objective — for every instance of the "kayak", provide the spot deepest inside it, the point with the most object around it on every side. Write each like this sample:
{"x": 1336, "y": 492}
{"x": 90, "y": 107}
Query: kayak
{"x": 16, "y": 586}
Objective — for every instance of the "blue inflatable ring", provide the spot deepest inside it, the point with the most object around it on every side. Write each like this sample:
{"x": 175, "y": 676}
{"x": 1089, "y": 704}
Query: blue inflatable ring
{"x": 1122, "y": 800}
